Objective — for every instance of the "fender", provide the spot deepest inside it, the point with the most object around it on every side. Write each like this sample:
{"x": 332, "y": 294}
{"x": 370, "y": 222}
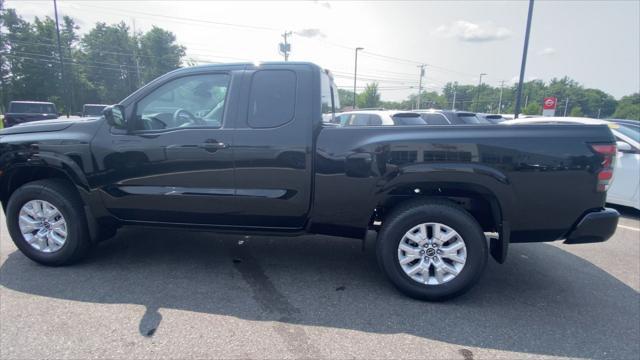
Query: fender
{"x": 449, "y": 179}
{"x": 38, "y": 162}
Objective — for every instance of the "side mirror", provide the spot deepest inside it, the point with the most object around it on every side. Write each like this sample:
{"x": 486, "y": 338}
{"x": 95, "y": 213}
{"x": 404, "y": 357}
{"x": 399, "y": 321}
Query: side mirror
{"x": 115, "y": 116}
{"x": 624, "y": 147}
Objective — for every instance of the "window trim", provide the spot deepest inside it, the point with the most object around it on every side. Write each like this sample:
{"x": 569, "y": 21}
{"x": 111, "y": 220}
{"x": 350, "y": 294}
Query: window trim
{"x": 131, "y": 124}
{"x": 295, "y": 102}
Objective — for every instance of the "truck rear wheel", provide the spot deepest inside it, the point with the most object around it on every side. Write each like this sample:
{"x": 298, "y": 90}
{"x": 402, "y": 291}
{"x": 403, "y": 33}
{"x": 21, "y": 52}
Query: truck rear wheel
{"x": 432, "y": 250}
{"x": 46, "y": 221}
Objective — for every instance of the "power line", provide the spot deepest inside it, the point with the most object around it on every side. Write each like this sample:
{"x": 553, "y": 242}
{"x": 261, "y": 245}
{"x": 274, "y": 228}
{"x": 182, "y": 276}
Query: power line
{"x": 80, "y": 46}
{"x": 256, "y": 27}
{"x": 189, "y": 20}
{"x": 64, "y": 62}
{"x": 72, "y": 60}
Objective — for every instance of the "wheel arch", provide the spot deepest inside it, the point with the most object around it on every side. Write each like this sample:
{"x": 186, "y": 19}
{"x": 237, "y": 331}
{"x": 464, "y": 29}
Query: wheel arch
{"x": 488, "y": 206}
{"x": 19, "y": 175}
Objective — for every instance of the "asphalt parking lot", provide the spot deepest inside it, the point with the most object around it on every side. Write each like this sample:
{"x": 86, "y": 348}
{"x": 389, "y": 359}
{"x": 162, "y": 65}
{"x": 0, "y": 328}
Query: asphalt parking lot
{"x": 170, "y": 294}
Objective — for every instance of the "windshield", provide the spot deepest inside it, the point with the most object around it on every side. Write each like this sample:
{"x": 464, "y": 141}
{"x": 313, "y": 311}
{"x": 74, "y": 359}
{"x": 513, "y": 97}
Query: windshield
{"x": 32, "y": 108}
{"x": 631, "y": 131}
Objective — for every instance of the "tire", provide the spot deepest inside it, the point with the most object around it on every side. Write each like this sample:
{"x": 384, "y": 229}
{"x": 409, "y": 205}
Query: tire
{"x": 435, "y": 212}
{"x": 65, "y": 199}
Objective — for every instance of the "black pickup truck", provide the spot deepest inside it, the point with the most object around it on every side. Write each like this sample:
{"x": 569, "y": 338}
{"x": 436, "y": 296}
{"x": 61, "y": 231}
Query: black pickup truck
{"x": 243, "y": 148}
{"x": 25, "y": 111}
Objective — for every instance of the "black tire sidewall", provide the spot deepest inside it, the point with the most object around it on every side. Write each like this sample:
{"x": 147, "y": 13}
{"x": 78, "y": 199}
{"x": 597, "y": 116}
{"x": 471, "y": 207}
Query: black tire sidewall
{"x": 71, "y": 211}
{"x": 463, "y": 223}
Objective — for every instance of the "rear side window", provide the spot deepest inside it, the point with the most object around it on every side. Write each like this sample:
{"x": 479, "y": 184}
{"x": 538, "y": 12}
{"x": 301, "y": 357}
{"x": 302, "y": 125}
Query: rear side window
{"x": 272, "y": 98}
{"x": 375, "y": 120}
{"x": 435, "y": 119}
{"x": 408, "y": 120}
{"x": 359, "y": 120}
{"x": 32, "y": 108}
{"x": 471, "y": 119}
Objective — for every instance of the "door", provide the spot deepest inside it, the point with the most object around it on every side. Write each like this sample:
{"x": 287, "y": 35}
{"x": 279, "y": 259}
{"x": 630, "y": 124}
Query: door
{"x": 626, "y": 181}
{"x": 175, "y": 165}
{"x": 272, "y": 147}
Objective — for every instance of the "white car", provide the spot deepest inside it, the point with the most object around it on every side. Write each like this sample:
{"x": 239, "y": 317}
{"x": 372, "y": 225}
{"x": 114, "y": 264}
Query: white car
{"x": 625, "y": 188}
{"x": 379, "y": 118}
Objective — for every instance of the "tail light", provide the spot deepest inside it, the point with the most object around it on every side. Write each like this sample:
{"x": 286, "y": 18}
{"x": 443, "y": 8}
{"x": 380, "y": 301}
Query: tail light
{"x": 605, "y": 173}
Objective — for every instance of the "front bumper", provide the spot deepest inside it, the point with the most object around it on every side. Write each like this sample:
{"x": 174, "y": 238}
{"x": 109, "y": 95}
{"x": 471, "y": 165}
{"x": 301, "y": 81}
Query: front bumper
{"x": 596, "y": 226}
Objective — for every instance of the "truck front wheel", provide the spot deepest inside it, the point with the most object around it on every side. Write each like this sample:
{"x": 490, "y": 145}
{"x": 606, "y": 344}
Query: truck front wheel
{"x": 432, "y": 250}
{"x": 46, "y": 221}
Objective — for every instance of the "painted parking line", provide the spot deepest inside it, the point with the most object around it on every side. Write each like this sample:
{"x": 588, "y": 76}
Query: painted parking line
{"x": 628, "y": 228}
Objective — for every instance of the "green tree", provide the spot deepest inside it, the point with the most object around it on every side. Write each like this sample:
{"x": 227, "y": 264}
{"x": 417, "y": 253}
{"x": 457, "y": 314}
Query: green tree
{"x": 370, "y": 97}
{"x": 159, "y": 53}
{"x": 532, "y": 109}
{"x": 4, "y": 65}
{"x": 107, "y": 58}
{"x": 628, "y": 107}
{"x": 346, "y": 98}
{"x": 576, "y": 111}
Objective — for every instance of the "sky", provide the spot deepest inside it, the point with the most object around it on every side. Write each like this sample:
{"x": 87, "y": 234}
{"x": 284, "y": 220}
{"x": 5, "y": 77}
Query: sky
{"x": 596, "y": 43}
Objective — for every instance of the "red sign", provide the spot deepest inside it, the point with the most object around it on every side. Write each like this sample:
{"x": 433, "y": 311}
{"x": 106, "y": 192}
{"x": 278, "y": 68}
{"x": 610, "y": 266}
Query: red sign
{"x": 550, "y": 103}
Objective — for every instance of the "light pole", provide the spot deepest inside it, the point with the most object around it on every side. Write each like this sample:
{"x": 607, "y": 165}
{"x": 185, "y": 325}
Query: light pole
{"x": 453, "y": 103}
{"x": 418, "y": 102}
{"x": 64, "y": 90}
{"x": 524, "y": 60}
{"x": 500, "y": 101}
{"x": 478, "y": 92}
{"x": 355, "y": 77}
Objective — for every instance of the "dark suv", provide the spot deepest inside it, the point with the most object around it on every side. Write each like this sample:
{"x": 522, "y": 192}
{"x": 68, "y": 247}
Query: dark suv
{"x": 25, "y": 111}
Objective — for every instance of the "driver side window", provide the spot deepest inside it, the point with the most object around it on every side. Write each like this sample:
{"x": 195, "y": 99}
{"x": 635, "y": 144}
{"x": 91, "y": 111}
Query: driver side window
{"x": 195, "y": 100}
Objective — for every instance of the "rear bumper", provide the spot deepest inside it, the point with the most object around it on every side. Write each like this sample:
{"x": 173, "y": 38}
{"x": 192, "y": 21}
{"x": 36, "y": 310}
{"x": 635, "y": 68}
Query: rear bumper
{"x": 596, "y": 226}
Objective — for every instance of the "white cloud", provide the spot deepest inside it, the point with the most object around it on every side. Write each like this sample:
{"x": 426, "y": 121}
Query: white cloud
{"x": 467, "y": 31}
{"x": 547, "y": 51}
{"x": 324, "y": 4}
{"x": 310, "y": 33}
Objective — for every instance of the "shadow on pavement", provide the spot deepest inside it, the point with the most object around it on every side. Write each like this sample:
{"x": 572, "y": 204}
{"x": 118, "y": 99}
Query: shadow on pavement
{"x": 544, "y": 300}
{"x": 627, "y": 212}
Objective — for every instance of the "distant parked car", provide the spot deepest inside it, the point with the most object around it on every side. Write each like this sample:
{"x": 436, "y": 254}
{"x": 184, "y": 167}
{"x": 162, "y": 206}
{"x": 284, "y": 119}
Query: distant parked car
{"x": 26, "y": 111}
{"x": 379, "y": 118}
{"x": 451, "y": 117}
{"x": 625, "y": 187}
{"x": 92, "y": 109}
{"x": 492, "y": 118}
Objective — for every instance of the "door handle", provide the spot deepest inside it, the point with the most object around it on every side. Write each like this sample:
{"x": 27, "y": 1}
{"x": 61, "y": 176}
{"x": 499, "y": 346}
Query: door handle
{"x": 213, "y": 145}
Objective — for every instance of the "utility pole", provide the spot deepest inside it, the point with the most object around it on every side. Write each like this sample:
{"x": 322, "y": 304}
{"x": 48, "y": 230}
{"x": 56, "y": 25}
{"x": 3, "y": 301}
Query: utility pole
{"x": 355, "y": 78}
{"x": 418, "y": 100}
{"x": 566, "y": 105}
{"x": 135, "y": 53}
{"x": 453, "y": 104}
{"x": 65, "y": 96}
{"x": 526, "y": 101}
{"x": 285, "y": 47}
{"x": 478, "y": 92}
{"x": 524, "y": 59}
{"x": 500, "y": 101}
